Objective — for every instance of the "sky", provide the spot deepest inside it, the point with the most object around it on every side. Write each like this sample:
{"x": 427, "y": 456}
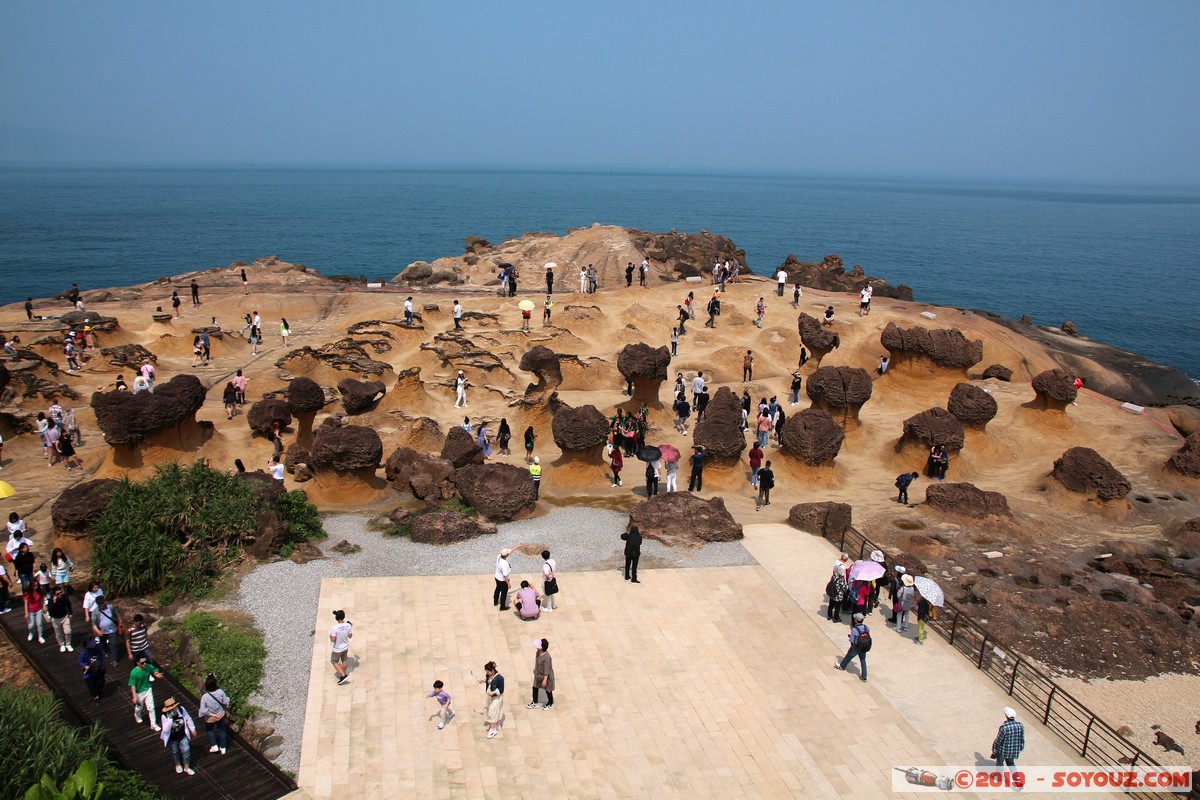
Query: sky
{"x": 1090, "y": 91}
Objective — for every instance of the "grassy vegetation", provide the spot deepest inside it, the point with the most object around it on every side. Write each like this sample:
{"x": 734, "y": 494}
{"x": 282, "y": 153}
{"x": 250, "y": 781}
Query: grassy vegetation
{"x": 383, "y": 523}
{"x": 303, "y": 520}
{"x": 234, "y": 652}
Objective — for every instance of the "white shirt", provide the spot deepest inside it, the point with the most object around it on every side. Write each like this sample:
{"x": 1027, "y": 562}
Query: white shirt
{"x": 14, "y": 544}
{"x": 277, "y": 471}
{"x": 13, "y": 527}
{"x": 257, "y": 321}
{"x": 457, "y": 311}
{"x": 697, "y": 385}
{"x": 341, "y": 634}
{"x": 549, "y": 568}
{"x": 645, "y": 265}
{"x": 89, "y": 601}
{"x": 864, "y": 296}
{"x": 408, "y": 306}
{"x": 503, "y": 569}
{"x": 782, "y": 276}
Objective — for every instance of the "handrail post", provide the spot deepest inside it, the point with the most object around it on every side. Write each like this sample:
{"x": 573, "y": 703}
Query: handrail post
{"x": 954, "y": 624}
{"x": 1087, "y": 735}
{"x": 982, "y": 650}
{"x": 1049, "y": 700}
{"x": 1013, "y": 678}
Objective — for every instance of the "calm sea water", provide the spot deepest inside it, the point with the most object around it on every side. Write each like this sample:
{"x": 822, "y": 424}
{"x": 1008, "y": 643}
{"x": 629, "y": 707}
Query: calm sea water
{"x": 1122, "y": 263}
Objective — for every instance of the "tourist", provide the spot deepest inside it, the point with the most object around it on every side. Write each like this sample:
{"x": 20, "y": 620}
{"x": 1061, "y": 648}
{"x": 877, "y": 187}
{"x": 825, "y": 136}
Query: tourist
{"x": 35, "y": 605}
{"x": 175, "y": 303}
{"x": 883, "y": 365}
{"x": 59, "y": 610}
{"x": 689, "y": 305}
{"x": 484, "y": 444}
{"x": 503, "y": 576}
{"x": 277, "y": 469}
{"x": 923, "y": 611}
{"x": 780, "y": 419}
{"x": 214, "y": 706}
{"x": 285, "y": 330}
{"x": 616, "y": 463}
{"x": 860, "y": 645}
{"x": 535, "y": 472}
{"x": 276, "y": 437}
{"x": 672, "y": 476}
{"x": 245, "y": 283}
{"x": 530, "y": 437}
{"x": 633, "y": 552}
{"x": 796, "y": 296}
{"x": 756, "y": 458}
{"x": 23, "y": 560}
{"x": 549, "y": 582}
{"x": 60, "y": 567}
{"x": 797, "y": 382}
{"x": 593, "y": 279}
{"x": 766, "y": 482}
{"x": 197, "y": 357}
{"x": 543, "y": 673}
{"x": 864, "y": 302}
{"x": 645, "y": 269}
{"x": 408, "y": 311}
{"x": 836, "y": 590}
{"x": 137, "y": 640}
{"x": 90, "y": 600}
{"x": 714, "y": 310}
{"x": 106, "y": 625}
{"x": 903, "y": 481}
{"x": 16, "y": 532}
{"x": 503, "y": 436}
{"x": 748, "y": 367}
{"x": 140, "y": 690}
{"x": 458, "y": 312}
{"x": 546, "y": 306}
{"x": 460, "y": 389}
{"x": 583, "y": 280}
{"x": 760, "y": 313}
{"x": 763, "y": 428}
{"x": 339, "y": 638}
{"x": 177, "y": 731}
{"x": 195, "y": 293}
{"x": 147, "y": 372}
{"x": 230, "y": 398}
{"x": 675, "y": 341}
{"x": 493, "y": 686}
{"x": 528, "y": 602}
{"x": 29, "y": 308}
{"x": 745, "y": 403}
{"x": 1009, "y": 741}
{"x": 935, "y": 465}
{"x": 206, "y": 344}
{"x": 445, "y": 711}
{"x": 629, "y": 275}
{"x": 696, "y": 477}
{"x": 42, "y": 579}
{"x": 683, "y": 318}
{"x": 467, "y": 426}
{"x": 549, "y": 280}
{"x": 651, "y": 479}
{"x": 697, "y": 386}
{"x": 91, "y": 661}
{"x": 240, "y": 382}
{"x": 255, "y": 338}
{"x": 828, "y": 316}
{"x": 905, "y": 598}
{"x": 781, "y": 280}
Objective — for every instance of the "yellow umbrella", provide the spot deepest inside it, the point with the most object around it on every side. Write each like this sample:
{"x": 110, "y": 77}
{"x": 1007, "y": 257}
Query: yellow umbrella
{"x": 6, "y": 489}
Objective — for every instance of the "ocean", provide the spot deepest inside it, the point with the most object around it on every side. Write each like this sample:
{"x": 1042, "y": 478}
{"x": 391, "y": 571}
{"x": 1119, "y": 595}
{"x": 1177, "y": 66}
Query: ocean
{"x": 1120, "y": 262}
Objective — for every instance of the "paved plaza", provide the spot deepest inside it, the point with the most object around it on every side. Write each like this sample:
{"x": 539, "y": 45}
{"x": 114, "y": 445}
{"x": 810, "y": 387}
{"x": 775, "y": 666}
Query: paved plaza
{"x": 710, "y": 682}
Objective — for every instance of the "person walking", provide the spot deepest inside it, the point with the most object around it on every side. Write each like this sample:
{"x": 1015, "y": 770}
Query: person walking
{"x": 748, "y": 367}
{"x": 683, "y": 410}
{"x": 760, "y": 313}
{"x": 766, "y": 482}
{"x": 781, "y": 281}
{"x": 651, "y": 479}
{"x": 35, "y": 606}
{"x": 339, "y": 637}
{"x": 904, "y": 596}
{"x": 547, "y": 306}
{"x": 796, "y": 296}
{"x": 482, "y": 441}
{"x": 245, "y": 284}
{"x": 535, "y": 472}
{"x": 59, "y": 610}
{"x": 503, "y": 576}
{"x": 642, "y": 272}
{"x": 23, "y": 561}
{"x": 91, "y": 661}
{"x": 836, "y": 590}
{"x": 214, "y": 707}
{"x": 615, "y": 463}
{"x": 1009, "y": 741}
{"x": 503, "y": 437}
{"x": 458, "y": 312}
{"x": 408, "y": 311}
{"x": 696, "y": 477}
{"x": 137, "y": 640}
{"x": 493, "y": 686}
{"x": 106, "y": 625}
{"x": 141, "y": 692}
{"x": 683, "y": 318}
{"x": 460, "y": 390}
{"x": 674, "y": 341}
{"x": 672, "y": 476}
{"x": 229, "y": 397}
{"x": 549, "y": 582}
{"x": 923, "y": 609}
{"x": 445, "y": 711}
{"x": 764, "y": 426}
{"x": 860, "y": 645}
{"x": 530, "y": 438}
{"x": 633, "y": 552}
{"x": 285, "y": 330}
{"x": 90, "y": 599}
{"x": 714, "y": 309}
{"x": 177, "y": 730}
{"x": 543, "y": 675}
{"x": 756, "y": 459}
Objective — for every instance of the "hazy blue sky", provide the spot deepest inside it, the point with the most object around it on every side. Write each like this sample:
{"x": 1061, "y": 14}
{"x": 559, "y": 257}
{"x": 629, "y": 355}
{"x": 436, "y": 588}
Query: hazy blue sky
{"x": 1078, "y": 90}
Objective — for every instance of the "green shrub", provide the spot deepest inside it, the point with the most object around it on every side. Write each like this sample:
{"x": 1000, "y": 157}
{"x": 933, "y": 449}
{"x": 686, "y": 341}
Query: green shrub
{"x": 122, "y": 784}
{"x": 234, "y": 655}
{"x": 35, "y": 740}
{"x": 302, "y": 517}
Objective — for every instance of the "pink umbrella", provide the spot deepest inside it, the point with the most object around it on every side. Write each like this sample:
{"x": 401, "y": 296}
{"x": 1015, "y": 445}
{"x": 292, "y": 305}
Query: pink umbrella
{"x": 669, "y": 452}
{"x": 866, "y": 570}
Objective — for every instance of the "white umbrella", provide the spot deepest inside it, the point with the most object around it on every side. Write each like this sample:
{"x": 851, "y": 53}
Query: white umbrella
{"x": 866, "y": 570}
{"x": 551, "y": 265}
{"x": 930, "y": 591}
{"x": 877, "y": 555}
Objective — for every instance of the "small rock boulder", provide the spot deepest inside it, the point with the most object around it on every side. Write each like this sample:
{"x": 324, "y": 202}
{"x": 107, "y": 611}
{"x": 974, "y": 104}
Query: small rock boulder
{"x": 935, "y": 427}
{"x": 294, "y": 457}
{"x": 967, "y": 500}
{"x": 1055, "y": 390}
{"x": 461, "y": 448}
{"x": 427, "y": 477}
{"x": 77, "y": 318}
{"x": 971, "y": 405}
{"x": 819, "y": 340}
{"x": 1187, "y": 460}
{"x": 128, "y": 355}
{"x": 826, "y": 519}
{"x": 345, "y": 448}
{"x": 720, "y": 432}
{"x": 78, "y": 507}
{"x": 497, "y": 491}
{"x": 813, "y": 437}
{"x": 128, "y": 417}
{"x": 359, "y": 396}
{"x": 1083, "y": 470}
{"x": 304, "y": 396}
{"x": 945, "y": 347}
{"x": 682, "y": 518}
{"x": 999, "y": 372}
{"x": 442, "y": 526}
{"x": 579, "y": 429}
{"x": 265, "y": 413}
{"x": 842, "y": 391}
{"x": 542, "y": 362}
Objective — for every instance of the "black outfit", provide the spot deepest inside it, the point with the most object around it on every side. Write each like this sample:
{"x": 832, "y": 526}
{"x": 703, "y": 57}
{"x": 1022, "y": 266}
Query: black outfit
{"x": 902, "y": 483}
{"x": 701, "y": 404}
{"x": 28, "y": 309}
{"x": 633, "y": 551}
{"x": 651, "y": 481}
{"x": 714, "y": 308}
{"x": 500, "y": 596}
{"x": 629, "y": 276}
{"x": 195, "y": 293}
{"x": 4, "y": 584}
{"x": 549, "y": 282}
{"x": 766, "y": 482}
{"x": 230, "y": 397}
{"x": 683, "y": 318}
{"x": 803, "y": 356}
{"x": 23, "y": 562}
{"x": 696, "y": 479}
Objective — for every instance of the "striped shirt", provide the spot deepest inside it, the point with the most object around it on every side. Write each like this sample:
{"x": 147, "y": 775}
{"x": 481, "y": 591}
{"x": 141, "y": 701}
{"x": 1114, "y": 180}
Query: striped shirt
{"x": 138, "y": 638}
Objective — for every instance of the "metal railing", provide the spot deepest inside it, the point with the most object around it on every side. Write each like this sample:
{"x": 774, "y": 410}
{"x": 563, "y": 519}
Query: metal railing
{"x": 1077, "y": 725}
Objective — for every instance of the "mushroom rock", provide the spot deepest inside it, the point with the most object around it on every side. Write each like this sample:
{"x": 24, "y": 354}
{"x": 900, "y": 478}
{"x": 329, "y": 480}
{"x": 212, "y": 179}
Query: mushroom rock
{"x": 461, "y": 448}
{"x": 646, "y": 368}
{"x": 442, "y": 526}
{"x": 945, "y": 347}
{"x": 580, "y": 429}
{"x": 427, "y": 477}
{"x": 841, "y": 391}
{"x": 265, "y": 413}
{"x": 79, "y": 506}
{"x": 131, "y": 417}
{"x": 824, "y": 519}
{"x": 497, "y": 491}
{"x": 813, "y": 437}
{"x": 999, "y": 372}
{"x": 967, "y": 500}
{"x": 359, "y": 396}
{"x": 1083, "y": 470}
{"x": 720, "y": 431}
{"x": 1187, "y": 460}
{"x": 304, "y": 399}
{"x": 682, "y": 518}
{"x": 1055, "y": 390}
{"x": 542, "y": 362}
{"x": 819, "y": 340}
{"x": 345, "y": 448}
{"x": 128, "y": 355}
{"x": 75, "y": 319}
{"x": 971, "y": 405}
{"x": 935, "y": 427}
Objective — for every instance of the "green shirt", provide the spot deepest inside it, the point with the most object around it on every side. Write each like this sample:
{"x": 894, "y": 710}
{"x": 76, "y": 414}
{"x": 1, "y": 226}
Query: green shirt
{"x": 139, "y": 677}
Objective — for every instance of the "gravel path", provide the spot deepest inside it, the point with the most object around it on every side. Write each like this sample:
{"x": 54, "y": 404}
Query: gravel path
{"x": 288, "y": 634}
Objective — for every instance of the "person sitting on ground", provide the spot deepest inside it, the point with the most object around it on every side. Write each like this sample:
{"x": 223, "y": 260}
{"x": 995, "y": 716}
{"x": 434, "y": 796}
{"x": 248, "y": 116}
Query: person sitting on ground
{"x": 529, "y": 602}
{"x": 829, "y": 316}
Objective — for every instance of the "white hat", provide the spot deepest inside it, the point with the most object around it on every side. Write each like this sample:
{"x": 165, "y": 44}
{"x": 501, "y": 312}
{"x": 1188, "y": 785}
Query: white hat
{"x": 1010, "y": 712}
{"x": 900, "y": 570}
{"x": 537, "y": 460}
{"x": 505, "y": 552}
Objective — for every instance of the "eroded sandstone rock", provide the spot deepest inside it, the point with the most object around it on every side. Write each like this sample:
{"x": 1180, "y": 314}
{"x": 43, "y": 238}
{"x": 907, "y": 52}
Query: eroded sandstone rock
{"x": 1055, "y": 390}
{"x": 945, "y": 347}
{"x": 128, "y": 417}
{"x": 359, "y": 396}
{"x": 720, "y": 431}
{"x": 79, "y": 506}
{"x": 999, "y": 372}
{"x": 579, "y": 429}
{"x": 819, "y": 340}
{"x": 971, "y": 405}
{"x": 682, "y": 518}
{"x": 813, "y": 437}
{"x": 497, "y": 491}
{"x": 935, "y": 427}
{"x": 966, "y": 499}
{"x": 265, "y": 413}
{"x": 461, "y": 448}
{"x": 1187, "y": 460}
{"x": 841, "y": 391}
{"x": 1083, "y": 470}
{"x": 827, "y": 519}
{"x": 345, "y": 448}
{"x": 426, "y": 476}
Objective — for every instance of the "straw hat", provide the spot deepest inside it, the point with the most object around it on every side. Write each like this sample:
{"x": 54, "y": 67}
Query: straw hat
{"x": 170, "y": 705}
{"x": 908, "y": 580}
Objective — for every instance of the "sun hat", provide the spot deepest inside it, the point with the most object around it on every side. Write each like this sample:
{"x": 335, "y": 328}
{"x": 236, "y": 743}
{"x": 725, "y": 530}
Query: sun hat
{"x": 169, "y": 705}
{"x": 505, "y": 553}
{"x": 1010, "y": 712}
{"x": 908, "y": 580}
{"x": 537, "y": 460}
{"x": 858, "y": 617}
{"x": 900, "y": 570}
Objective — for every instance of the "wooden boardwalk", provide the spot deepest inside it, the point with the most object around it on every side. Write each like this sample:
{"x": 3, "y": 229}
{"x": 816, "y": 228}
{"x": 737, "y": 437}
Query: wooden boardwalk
{"x": 241, "y": 774}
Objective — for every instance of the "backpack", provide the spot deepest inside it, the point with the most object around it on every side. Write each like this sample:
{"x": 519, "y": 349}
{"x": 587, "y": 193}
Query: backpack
{"x": 864, "y": 641}
{"x": 177, "y": 728}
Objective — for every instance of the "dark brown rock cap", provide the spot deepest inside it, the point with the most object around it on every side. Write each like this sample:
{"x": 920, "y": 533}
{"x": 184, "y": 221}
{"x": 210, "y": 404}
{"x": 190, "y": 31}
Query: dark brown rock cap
{"x": 842, "y": 391}
{"x": 345, "y": 448}
{"x": 813, "y": 437}
{"x": 542, "y": 362}
{"x": 129, "y": 417}
{"x": 971, "y": 405}
{"x": 78, "y": 507}
{"x": 443, "y": 526}
{"x": 826, "y": 519}
{"x": 359, "y": 396}
{"x": 966, "y": 499}
{"x": 1055, "y": 388}
{"x": 829, "y": 275}
{"x": 935, "y": 427}
{"x": 1083, "y": 470}
{"x": 1187, "y": 460}
{"x": 265, "y": 413}
{"x": 999, "y": 372}
{"x": 579, "y": 429}
{"x": 640, "y": 360}
{"x": 816, "y": 337}
{"x": 461, "y": 448}
{"x": 682, "y": 518}
{"x": 720, "y": 432}
{"x": 497, "y": 491}
{"x": 304, "y": 396}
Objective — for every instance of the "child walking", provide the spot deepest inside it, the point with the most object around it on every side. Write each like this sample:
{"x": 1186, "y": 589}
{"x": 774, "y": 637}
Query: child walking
{"x": 446, "y": 712}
